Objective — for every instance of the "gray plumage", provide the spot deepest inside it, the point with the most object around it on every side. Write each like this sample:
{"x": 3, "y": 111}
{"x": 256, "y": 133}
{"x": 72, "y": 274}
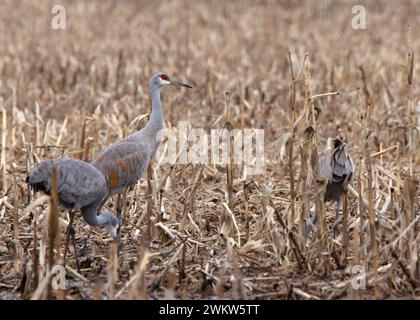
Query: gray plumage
{"x": 80, "y": 187}
{"x": 337, "y": 168}
{"x": 124, "y": 162}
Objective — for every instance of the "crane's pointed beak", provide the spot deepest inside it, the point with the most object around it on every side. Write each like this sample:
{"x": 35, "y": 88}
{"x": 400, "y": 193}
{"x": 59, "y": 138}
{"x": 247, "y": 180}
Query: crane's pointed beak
{"x": 180, "y": 84}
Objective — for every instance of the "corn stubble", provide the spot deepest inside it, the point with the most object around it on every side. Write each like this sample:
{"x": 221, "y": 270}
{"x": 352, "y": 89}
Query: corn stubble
{"x": 205, "y": 230}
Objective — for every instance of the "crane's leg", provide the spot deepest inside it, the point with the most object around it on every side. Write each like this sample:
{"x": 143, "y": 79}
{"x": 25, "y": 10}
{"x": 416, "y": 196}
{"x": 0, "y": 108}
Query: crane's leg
{"x": 119, "y": 206}
{"x": 71, "y": 233}
{"x": 69, "y": 227}
{"x": 310, "y": 224}
{"x": 336, "y": 220}
{"x": 76, "y": 253}
{"x": 84, "y": 248}
{"x": 119, "y": 211}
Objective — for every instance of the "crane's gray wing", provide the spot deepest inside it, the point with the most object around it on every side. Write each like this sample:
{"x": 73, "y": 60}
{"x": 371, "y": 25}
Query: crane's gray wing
{"x": 336, "y": 165}
{"x": 343, "y": 166}
{"x": 79, "y": 183}
{"x": 122, "y": 164}
{"x": 325, "y": 165}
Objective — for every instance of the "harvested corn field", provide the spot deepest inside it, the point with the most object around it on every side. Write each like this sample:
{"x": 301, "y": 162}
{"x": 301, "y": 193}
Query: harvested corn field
{"x": 292, "y": 103}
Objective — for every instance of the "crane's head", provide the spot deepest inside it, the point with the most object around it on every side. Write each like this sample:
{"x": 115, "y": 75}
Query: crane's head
{"x": 113, "y": 226}
{"x": 162, "y": 79}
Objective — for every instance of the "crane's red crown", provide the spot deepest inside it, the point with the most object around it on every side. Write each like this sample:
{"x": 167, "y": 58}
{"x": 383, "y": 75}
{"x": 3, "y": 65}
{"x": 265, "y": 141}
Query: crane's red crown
{"x": 164, "y": 77}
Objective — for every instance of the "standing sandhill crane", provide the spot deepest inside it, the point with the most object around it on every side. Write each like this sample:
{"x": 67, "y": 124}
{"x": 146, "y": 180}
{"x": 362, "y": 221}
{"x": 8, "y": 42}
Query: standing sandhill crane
{"x": 337, "y": 168}
{"x": 123, "y": 162}
{"x": 80, "y": 187}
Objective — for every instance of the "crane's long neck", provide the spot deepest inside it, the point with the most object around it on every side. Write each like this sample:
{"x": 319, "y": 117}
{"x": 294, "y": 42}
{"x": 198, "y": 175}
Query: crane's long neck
{"x": 156, "y": 118}
{"x": 90, "y": 215}
{"x": 150, "y": 132}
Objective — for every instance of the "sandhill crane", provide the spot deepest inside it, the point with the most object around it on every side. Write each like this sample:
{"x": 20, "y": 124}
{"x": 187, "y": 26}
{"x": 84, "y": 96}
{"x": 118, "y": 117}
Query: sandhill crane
{"x": 80, "y": 187}
{"x": 123, "y": 162}
{"x": 337, "y": 168}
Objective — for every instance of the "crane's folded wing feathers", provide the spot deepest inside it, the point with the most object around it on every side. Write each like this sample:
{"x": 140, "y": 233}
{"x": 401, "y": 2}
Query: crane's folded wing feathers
{"x": 122, "y": 164}
{"x": 343, "y": 164}
{"x": 336, "y": 165}
{"x": 325, "y": 167}
{"x": 79, "y": 183}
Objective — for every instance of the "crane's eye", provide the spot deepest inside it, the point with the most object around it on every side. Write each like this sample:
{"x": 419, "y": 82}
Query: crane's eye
{"x": 164, "y": 77}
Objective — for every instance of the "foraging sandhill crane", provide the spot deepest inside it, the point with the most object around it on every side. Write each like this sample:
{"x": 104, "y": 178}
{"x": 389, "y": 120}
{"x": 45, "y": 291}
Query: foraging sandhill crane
{"x": 123, "y": 162}
{"x": 336, "y": 167}
{"x": 80, "y": 187}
